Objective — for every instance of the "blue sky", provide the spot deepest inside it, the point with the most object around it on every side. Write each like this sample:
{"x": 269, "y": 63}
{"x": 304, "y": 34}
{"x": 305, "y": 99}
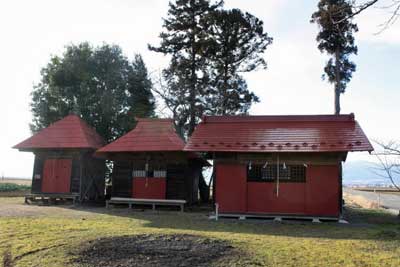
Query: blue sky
{"x": 291, "y": 85}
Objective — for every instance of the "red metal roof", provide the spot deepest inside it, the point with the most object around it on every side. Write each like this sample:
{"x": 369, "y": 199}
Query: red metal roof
{"x": 69, "y": 132}
{"x": 296, "y": 133}
{"x": 148, "y": 135}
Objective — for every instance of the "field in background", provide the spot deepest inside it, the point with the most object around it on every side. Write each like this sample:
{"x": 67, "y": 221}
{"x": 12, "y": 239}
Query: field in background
{"x": 14, "y": 187}
{"x": 385, "y": 190}
{"x": 16, "y": 181}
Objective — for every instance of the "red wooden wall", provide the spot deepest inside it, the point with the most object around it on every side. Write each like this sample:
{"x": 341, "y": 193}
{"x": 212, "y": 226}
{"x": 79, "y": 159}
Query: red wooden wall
{"x": 57, "y": 176}
{"x": 318, "y": 196}
{"x": 262, "y": 198}
{"x": 231, "y": 187}
{"x": 150, "y": 188}
{"x": 323, "y": 190}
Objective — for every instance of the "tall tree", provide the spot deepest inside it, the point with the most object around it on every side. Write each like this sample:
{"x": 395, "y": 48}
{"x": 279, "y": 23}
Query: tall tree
{"x": 209, "y": 48}
{"x": 238, "y": 42}
{"x": 186, "y": 39}
{"x": 141, "y": 100}
{"x": 334, "y": 18}
{"x": 98, "y": 83}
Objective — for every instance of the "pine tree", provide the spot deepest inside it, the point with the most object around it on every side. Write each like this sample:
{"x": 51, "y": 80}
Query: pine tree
{"x": 186, "y": 39}
{"x": 141, "y": 100}
{"x": 334, "y": 18}
{"x": 238, "y": 43}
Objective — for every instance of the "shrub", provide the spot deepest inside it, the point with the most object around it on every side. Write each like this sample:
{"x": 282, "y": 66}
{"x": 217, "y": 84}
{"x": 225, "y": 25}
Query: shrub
{"x": 11, "y": 187}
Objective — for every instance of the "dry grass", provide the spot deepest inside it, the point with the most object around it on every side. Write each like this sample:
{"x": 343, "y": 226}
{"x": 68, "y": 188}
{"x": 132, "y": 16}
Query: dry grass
{"x": 16, "y": 181}
{"x": 360, "y": 201}
{"x": 48, "y": 237}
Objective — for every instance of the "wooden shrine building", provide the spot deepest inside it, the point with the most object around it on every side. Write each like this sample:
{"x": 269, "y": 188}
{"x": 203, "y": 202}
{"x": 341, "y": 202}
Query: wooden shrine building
{"x": 149, "y": 163}
{"x": 279, "y": 165}
{"x": 64, "y": 165}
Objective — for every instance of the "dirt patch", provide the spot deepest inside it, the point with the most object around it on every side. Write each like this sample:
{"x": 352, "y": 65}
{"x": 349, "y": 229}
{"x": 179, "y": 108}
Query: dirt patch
{"x": 19, "y": 193}
{"x": 15, "y": 207}
{"x": 7, "y": 257}
{"x": 154, "y": 250}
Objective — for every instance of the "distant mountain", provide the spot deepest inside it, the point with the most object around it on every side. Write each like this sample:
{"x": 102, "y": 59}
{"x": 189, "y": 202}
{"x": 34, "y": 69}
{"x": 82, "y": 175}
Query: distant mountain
{"x": 362, "y": 173}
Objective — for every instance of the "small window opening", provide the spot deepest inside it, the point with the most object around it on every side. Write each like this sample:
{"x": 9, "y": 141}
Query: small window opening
{"x": 268, "y": 173}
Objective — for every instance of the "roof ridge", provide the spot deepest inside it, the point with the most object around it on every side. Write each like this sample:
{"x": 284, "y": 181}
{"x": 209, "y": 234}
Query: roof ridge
{"x": 83, "y": 125}
{"x": 154, "y": 119}
{"x": 278, "y": 118}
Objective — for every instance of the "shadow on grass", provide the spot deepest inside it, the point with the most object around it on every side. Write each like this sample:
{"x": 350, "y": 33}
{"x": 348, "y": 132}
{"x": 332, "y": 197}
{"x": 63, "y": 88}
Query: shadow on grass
{"x": 364, "y": 224}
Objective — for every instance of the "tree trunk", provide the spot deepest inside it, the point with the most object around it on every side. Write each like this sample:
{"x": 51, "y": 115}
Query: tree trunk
{"x": 204, "y": 189}
{"x": 225, "y": 91}
{"x": 193, "y": 81}
{"x": 337, "y": 83}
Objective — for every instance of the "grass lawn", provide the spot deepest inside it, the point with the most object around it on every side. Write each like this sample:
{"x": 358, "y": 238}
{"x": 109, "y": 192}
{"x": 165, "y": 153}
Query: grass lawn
{"x": 46, "y": 236}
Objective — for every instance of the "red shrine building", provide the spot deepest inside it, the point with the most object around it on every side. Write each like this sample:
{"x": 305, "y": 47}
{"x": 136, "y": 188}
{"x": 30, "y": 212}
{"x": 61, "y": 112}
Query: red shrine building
{"x": 64, "y": 165}
{"x": 279, "y": 165}
{"x": 149, "y": 163}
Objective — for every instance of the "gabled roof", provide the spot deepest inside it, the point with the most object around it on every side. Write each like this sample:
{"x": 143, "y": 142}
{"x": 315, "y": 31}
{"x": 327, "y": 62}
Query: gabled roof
{"x": 148, "y": 135}
{"x": 69, "y": 132}
{"x": 308, "y": 133}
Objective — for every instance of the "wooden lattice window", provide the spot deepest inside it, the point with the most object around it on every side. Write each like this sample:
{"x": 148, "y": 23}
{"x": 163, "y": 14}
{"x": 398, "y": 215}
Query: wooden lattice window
{"x": 268, "y": 173}
{"x": 156, "y": 173}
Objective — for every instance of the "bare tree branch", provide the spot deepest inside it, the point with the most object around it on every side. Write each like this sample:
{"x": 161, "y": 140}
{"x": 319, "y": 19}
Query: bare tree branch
{"x": 393, "y": 18}
{"x": 357, "y": 10}
{"x": 389, "y": 161}
{"x": 394, "y": 8}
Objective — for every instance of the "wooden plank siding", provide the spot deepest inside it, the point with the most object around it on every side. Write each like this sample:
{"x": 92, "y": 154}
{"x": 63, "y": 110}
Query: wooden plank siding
{"x": 122, "y": 179}
{"x": 37, "y": 174}
{"x": 181, "y": 181}
{"x": 87, "y": 176}
{"x": 75, "y": 176}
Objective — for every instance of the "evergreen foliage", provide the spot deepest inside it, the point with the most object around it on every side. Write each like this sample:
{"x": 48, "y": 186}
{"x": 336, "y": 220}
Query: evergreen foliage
{"x": 334, "y": 18}
{"x": 238, "y": 43}
{"x": 185, "y": 38}
{"x": 99, "y": 84}
{"x": 209, "y": 47}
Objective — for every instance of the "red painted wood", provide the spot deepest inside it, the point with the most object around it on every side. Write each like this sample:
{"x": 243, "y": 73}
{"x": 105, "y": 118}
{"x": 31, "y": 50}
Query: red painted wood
{"x": 151, "y": 188}
{"x": 63, "y": 175}
{"x": 231, "y": 187}
{"x": 48, "y": 185}
{"x": 323, "y": 190}
{"x": 263, "y": 198}
{"x": 57, "y": 176}
{"x": 319, "y": 196}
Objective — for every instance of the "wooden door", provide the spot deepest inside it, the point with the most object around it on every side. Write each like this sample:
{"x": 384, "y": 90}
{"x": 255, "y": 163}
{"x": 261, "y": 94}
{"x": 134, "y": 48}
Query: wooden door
{"x": 57, "y": 176}
{"x": 63, "y": 175}
{"x": 231, "y": 187}
{"x": 323, "y": 190}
